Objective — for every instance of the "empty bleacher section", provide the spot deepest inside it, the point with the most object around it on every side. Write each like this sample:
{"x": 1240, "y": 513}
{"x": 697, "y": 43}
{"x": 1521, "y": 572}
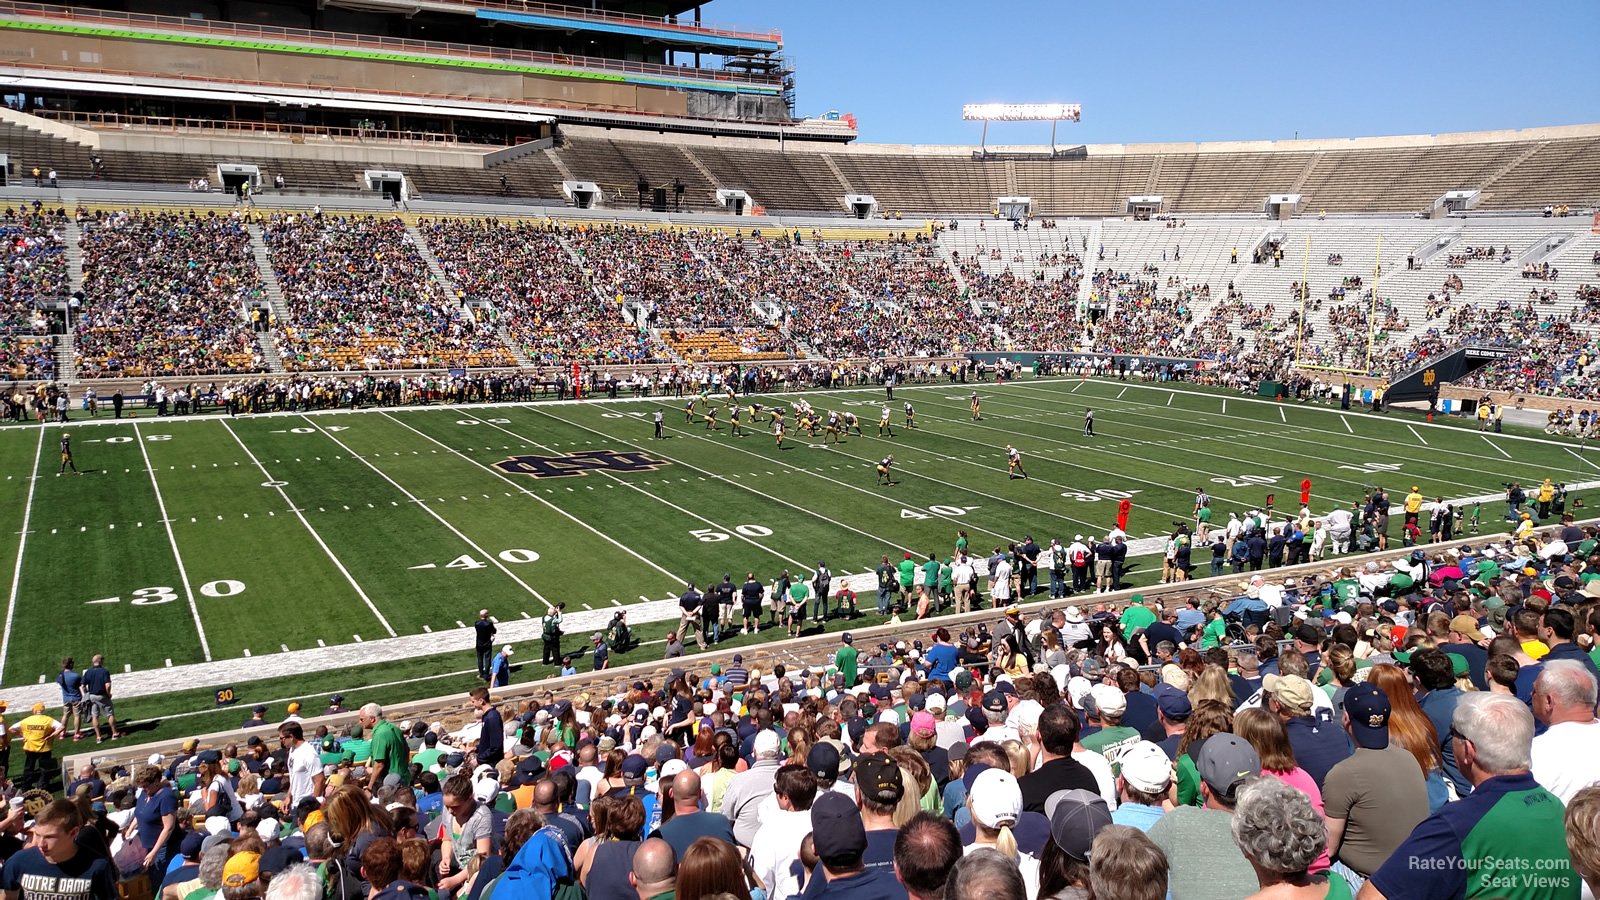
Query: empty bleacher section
{"x": 360, "y": 297}
{"x": 778, "y": 181}
{"x": 1225, "y": 182}
{"x": 908, "y": 182}
{"x": 1513, "y": 170}
{"x": 165, "y": 294}
{"x": 1402, "y": 179}
{"x": 1098, "y": 186}
{"x": 536, "y": 291}
{"x": 1560, "y": 171}
{"x": 618, "y": 166}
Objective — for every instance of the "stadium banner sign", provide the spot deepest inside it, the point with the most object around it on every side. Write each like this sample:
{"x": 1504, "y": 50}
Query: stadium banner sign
{"x": 1022, "y": 112}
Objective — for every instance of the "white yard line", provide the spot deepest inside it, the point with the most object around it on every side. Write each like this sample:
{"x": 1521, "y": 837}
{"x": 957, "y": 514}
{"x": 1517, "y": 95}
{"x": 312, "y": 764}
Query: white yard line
{"x": 525, "y": 491}
{"x": 22, "y": 544}
{"x": 299, "y": 514}
{"x": 1418, "y": 436}
{"x": 1344, "y": 419}
{"x": 1279, "y": 435}
{"x": 492, "y": 558}
{"x": 726, "y": 480}
{"x": 177, "y": 556}
{"x": 1309, "y": 407}
{"x": 1582, "y": 458}
{"x": 1497, "y": 448}
{"x": 659, "y": 499}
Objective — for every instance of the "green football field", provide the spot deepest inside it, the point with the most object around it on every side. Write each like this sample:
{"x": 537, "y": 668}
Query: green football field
{"x": 207, "y": 538}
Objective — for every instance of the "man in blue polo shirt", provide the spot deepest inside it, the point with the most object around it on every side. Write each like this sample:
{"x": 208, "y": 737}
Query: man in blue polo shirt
{"x": 1506, "y": 839}
{"x": 1318, "y": 744}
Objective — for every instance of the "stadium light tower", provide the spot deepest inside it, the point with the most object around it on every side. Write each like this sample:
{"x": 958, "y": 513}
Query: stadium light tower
{"x": 1021, "y": 112}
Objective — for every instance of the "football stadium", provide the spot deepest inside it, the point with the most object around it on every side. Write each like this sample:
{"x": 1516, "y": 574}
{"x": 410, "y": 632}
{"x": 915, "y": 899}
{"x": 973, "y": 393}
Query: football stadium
{"x": 482, "y": 448}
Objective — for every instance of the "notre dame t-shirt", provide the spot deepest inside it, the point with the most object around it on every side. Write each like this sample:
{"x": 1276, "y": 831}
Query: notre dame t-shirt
{"x": 82, "y": 877}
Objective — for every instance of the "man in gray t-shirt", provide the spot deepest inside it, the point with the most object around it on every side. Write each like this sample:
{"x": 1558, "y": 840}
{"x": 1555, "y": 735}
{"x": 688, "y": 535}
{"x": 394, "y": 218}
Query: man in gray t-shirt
{"x": 1373, "y": 799}
{"x": 468, "y": 831}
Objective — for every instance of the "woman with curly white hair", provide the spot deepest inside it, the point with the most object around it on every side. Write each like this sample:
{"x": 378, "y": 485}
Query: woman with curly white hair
{"x": 1281, "y": 835}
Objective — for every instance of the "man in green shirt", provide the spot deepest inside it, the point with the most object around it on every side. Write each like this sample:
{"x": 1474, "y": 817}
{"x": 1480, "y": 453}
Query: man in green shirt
{"x": 390, "y": 755}
{"x": 357, "y": 745}
{"x": 1135, "y": 617}
{"x": 430, "y": 752}
{"x": 1105, "y": 712}
{"x": 332, "y": 754}
{"x": 930, "y": 581}
{"x": 1216, "y": 630}
{"x": 908, "y": 577}
{"x": 845, "y": 659}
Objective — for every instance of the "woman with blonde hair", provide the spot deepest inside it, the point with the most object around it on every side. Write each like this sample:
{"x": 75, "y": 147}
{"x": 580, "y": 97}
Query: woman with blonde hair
{"x": 355, "y": 822}
{"x": 916, "y": 780}
{"x": 996, "y": 806}
{"x": 1212, "y": 684}
{"x": 799, "y": 746}
{"x": 1021, "y": 760}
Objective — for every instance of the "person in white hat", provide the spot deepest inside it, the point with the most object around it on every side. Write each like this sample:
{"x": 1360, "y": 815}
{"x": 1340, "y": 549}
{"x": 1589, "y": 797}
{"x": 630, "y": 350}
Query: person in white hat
{"x": 995, "y": 802}
{"x": 1074, "y": 627}
{"x": 500, "y": 668}
{"x": 1142, "y": 784}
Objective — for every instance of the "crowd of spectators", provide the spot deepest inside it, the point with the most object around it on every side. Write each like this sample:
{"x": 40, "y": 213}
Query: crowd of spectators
{"x": 903, "y": 301}
{"x": 1383, "y": 730}
{"x": 33, "y": 254}
{"x": 166, "y": 294}
{"x": 360, "y": 296}
{"x": 537, "y": 292}
{"x": 1035, "y": 312}
{"x": 661, "y": 269}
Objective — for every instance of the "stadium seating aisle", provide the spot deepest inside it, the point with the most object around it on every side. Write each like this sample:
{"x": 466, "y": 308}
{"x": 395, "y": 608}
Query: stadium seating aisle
{"x": 360, "y": 297}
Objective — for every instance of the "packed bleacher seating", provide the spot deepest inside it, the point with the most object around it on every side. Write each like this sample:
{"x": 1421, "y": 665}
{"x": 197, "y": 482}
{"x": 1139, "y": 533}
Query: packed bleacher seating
{"x": 165, "y": 294}
{"x": 360, "y": 297}
{"x": 33, "y": 255}
{"x": 1191, "y": 744}
{"x": 905, "y": 302}
{"x": 538, "y": 293}
{"x": 1035, "y": 312}
{"x": 660, "y": 269}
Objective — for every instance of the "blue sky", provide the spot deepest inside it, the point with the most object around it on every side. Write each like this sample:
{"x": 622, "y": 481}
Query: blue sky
{"x": 1167, "y": 71}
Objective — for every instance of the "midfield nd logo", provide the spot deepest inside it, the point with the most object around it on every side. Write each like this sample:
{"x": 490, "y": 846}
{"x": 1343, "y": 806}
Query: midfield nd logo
{"x": 580, "y": 463}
